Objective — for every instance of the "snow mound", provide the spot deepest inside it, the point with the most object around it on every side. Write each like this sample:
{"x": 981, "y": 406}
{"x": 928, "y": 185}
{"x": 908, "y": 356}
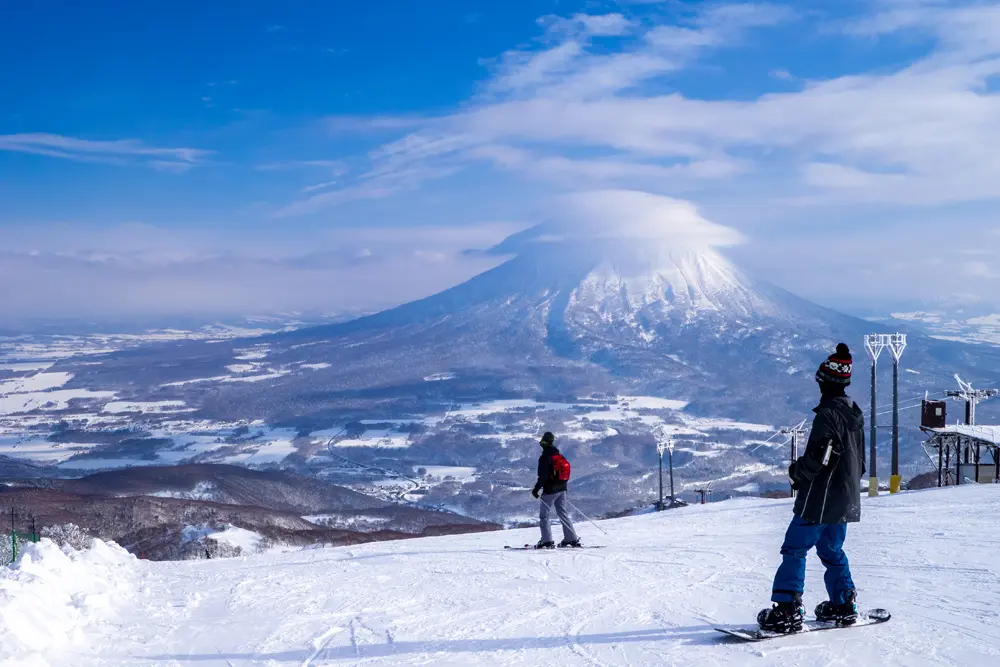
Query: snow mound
{"x": 247, "y": 540}
{"x": 50, "y": 596}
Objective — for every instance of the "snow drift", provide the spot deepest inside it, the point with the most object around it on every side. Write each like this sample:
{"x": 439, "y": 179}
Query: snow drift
{"x": 51, "y": 597}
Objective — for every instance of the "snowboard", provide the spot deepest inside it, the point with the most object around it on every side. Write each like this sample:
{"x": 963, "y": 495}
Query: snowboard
{"x": 531, "y": 547}
{"x": 753, "y": 634}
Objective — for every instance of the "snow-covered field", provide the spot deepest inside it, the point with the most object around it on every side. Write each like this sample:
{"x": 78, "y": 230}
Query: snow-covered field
{"x": 956, "y": 327}
{"x": 41, "y": 391}
{"x": 33, "y": 350}
{"x": 36, "y": 402}
{"x": 650, "y": 598}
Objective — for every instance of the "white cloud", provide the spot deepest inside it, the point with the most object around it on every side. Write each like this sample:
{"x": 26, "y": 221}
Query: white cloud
{"x": 373, "y": 185}
{"x": 567, "y": 69}
{"x": 630, "y": 214}
{"x": 845, "y": 161}
{"x": 520, "y": 70}
{"x": 571, "y": 172}
{"x": 139, "y": 271}
{"x": 336, "y": 167}
{"x": 323, "y": 185}
{"x": 900, "y": 256}
{"x": 837, "y": 176}
{"x": 978, "y": 269}
{"x": 927, "y": 133}
{"x": 121, "y": 151}
{"x": 567, "y": 94}
{"x": 731, "y": 19}
{"x": 587, "y": 25}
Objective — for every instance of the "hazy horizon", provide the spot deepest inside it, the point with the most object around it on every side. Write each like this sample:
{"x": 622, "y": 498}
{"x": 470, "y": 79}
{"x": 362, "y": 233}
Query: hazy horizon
{"x": 325, "y": 158}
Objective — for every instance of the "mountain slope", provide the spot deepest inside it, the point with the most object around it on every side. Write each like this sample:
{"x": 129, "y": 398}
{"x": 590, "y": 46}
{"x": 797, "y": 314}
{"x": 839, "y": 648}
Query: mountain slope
{"x": 560, "y": 316}
{"x": 150, "y": 510}
{"x": 650, "y": 598}
{"x": 613, "y": 316}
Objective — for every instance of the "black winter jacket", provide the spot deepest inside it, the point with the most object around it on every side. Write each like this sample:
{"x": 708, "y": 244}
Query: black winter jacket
{"x": 831, "y": 493}
{"x": 547, "y": 481}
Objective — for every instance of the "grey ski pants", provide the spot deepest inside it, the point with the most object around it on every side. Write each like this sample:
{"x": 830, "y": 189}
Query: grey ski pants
{"x": 557, "y": 502}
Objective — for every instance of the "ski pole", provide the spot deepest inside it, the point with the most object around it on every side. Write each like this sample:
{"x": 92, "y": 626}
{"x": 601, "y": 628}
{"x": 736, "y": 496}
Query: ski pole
{"x": 551, "y": 509}
{"x": 586, "y": 517}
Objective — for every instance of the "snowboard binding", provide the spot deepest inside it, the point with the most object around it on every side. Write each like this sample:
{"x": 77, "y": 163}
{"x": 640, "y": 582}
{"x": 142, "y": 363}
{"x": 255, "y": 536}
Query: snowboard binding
{"x": 843, "y": 614}
{"x": 783, "y": 618}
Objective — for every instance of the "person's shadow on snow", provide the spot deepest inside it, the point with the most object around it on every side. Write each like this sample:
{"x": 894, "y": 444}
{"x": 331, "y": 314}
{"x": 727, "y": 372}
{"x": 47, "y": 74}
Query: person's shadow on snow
{"x": 694, "y": 634}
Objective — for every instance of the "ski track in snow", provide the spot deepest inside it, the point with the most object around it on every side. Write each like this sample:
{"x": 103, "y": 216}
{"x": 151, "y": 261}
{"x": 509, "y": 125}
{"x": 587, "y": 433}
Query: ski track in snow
{"x": 650, "y": 598}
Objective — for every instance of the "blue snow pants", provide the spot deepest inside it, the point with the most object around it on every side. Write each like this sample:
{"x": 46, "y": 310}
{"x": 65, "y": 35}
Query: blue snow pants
{"x": 801, "y": 536}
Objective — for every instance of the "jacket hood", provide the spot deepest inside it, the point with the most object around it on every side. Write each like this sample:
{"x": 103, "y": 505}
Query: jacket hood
{"x": 850, "y": 411}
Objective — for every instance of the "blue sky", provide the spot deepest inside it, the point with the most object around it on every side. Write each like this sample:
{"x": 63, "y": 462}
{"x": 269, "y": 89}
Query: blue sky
{"x": 192, "y": 157}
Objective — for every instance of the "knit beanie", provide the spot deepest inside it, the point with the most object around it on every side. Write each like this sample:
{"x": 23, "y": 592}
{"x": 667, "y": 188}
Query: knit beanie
{"x": 837, "y": 368}
{"x": 548, "y": 439}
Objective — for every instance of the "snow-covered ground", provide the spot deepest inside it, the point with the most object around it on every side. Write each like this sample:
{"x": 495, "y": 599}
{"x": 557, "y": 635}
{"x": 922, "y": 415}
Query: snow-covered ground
{"x": 956, "y": 326}
{"x": 36, "y": 403}
{"x": 650, "y": 598}
{"x": 41, "y": 391}
{"x": 34, "y": 350}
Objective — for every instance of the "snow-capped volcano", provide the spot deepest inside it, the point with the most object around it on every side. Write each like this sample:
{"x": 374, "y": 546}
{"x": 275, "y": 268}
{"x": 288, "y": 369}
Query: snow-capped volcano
{"x": 628, "y": 274}
{"x": 655, "y": 291}
{"x": 578, "y": 308}
{"x": 617, "y": 292}
{"x": 688, "y": 281}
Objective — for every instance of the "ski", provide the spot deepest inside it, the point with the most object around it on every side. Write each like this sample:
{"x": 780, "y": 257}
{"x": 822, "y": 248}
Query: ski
{"x": 870, "y": 617}
{"x": 531, "y": 547}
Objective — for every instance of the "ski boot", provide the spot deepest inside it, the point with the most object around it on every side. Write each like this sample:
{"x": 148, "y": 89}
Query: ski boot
{"x": 574, "y": 544}
{"x": 841, "y": 614}
{"x": 783, "y": 618}
{"x": 545, "y": 545}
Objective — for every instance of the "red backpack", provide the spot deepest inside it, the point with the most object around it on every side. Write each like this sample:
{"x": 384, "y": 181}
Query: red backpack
{"x": 560, "y": 467}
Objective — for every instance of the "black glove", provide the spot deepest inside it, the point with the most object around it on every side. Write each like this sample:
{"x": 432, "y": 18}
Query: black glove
{"x": 791, "y": 476}
{"x": 534, "y": 492}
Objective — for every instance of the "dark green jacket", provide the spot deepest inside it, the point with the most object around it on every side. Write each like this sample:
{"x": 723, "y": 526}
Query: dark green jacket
{"x": 547, "y": 482}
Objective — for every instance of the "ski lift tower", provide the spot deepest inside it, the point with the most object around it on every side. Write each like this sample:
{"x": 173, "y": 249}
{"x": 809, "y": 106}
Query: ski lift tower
{"x": 875, "y": 344}
{"x": 664, "y": 443}
{"x": 972, "y": 397}
{"x": 897, "y": 343}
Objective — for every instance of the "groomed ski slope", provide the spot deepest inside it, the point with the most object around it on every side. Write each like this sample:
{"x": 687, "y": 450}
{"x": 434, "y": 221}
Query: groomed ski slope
{"x": 650, "y": 598}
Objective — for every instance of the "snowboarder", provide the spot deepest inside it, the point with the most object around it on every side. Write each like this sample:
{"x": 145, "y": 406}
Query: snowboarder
{"x": 553, "y": 474}
{"x": 827, "y": 479}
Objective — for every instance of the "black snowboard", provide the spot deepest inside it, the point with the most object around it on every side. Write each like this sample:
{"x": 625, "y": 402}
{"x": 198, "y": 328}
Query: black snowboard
{"x": 531, "y": 547}
{"x": 752, "y": 634}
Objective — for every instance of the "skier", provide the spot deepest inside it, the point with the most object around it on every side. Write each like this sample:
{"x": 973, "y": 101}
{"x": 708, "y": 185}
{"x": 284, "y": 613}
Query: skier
{"x": 553, "y": 474}
{"x": 827, "y": 478}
